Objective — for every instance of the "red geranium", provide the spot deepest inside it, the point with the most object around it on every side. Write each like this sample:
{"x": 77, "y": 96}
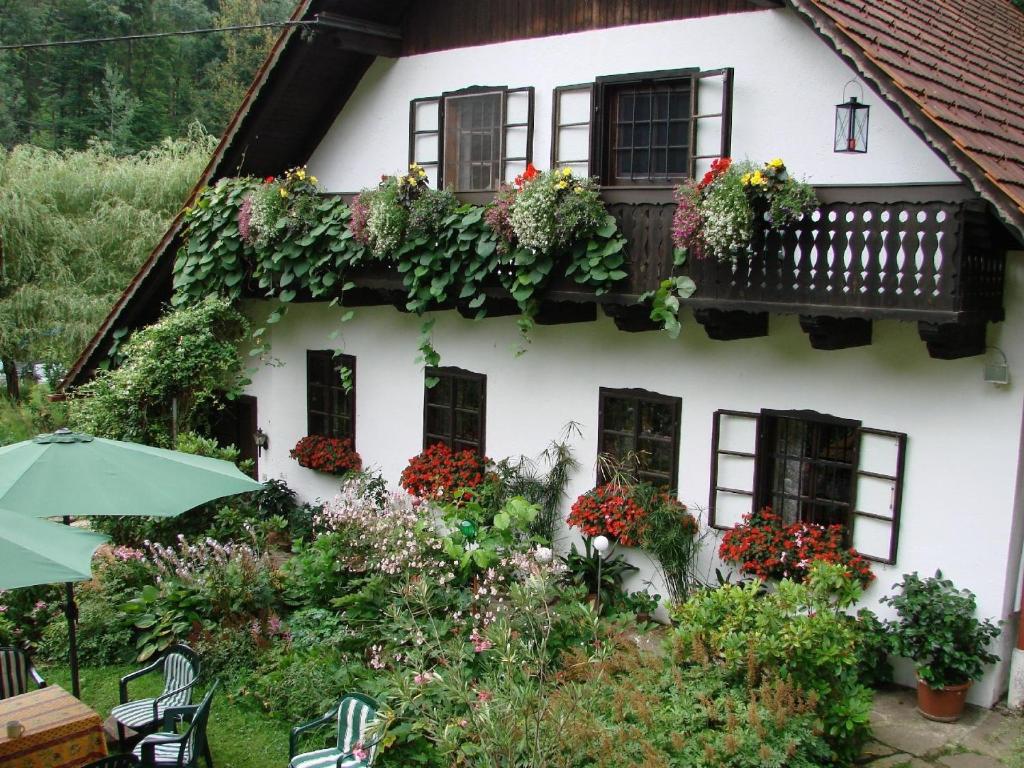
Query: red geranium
{"x": 764, "y": 547}
{"x": 327, "y": 454}
{"x": 444, "y": 475}
{"x": 608, "y": 510}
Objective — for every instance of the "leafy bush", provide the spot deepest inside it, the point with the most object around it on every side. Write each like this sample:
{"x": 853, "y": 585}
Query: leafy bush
{"x": 669, "y": 533}
{"x": 798, "y": 634}
{"x": 190, "y": 356}
{"x": 643, "y": 710}
{"x": 938, "y": 629}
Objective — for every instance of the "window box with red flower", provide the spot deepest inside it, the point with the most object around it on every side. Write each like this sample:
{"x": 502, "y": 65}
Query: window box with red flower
{"x": 763, "y": 545}
{"x": 444, "y": 476}
{"x": 332, "y": 455}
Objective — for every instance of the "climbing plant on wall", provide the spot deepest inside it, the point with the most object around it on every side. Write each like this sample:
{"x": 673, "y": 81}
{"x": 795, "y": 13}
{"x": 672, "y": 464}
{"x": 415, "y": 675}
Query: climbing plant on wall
{"x": 280, "y": 238}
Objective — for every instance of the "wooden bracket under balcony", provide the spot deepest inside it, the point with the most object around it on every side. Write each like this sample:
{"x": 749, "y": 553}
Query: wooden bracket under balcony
{"x": 836, "y": 332}
{"x": 729, "y": 325}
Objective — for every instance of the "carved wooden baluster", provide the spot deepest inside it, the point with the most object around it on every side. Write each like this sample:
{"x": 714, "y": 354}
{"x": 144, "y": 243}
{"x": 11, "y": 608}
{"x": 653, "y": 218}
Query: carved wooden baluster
{"x": 892, "y": 247}
{"x": 921, "y": 283}
{"x": 824, "y": 241}
{"x": 912, "y": 251}
{"x": 868, "y": 254}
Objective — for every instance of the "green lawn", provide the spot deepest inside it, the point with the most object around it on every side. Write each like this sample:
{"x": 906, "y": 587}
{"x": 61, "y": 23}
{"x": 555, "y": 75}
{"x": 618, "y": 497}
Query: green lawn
{"x": 239, "y": 737}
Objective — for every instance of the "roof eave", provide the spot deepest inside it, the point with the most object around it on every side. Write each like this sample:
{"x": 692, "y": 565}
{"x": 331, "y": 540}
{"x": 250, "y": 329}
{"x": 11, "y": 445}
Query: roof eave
{"x": 906, "y": 105}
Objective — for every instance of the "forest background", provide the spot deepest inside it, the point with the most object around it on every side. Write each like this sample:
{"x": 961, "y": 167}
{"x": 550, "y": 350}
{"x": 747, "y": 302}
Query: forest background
{"x": 99, "y": 147}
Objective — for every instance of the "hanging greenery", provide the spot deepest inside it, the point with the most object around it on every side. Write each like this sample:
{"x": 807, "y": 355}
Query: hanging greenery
{"x": 280, "y": 238}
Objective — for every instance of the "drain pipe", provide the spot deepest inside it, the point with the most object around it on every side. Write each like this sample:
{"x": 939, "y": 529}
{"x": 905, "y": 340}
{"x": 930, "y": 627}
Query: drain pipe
{"x": 1015, "y": 699}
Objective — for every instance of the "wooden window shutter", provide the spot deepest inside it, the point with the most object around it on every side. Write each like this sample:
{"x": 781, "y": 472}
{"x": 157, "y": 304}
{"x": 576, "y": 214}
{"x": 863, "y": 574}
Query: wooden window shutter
{"x": 711, "y": 121}
{"x": 426, "y": 123}
{"x": 878, "y": 494}
{"x": 571, "y": 128}
{"x": 734, "y": 439}
{"x": 517, "y": 147}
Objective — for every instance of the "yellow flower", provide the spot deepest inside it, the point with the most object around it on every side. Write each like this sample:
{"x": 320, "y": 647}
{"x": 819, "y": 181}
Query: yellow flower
{"x": 562, "y": 184}
{"x": 312, "y": 180}
{"x": 745, "y": 179}
{"x": 567, "y": 172}
{"x": 776, "y": 163}
{"x": 301, "y": 173}
{"x": 758, "y": 179}
{"x": 282, "y": 192}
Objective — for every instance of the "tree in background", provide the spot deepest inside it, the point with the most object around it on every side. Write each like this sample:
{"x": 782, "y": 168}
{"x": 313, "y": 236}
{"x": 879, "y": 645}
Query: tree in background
{"x": 74, "y": 228}
{"x": 132, "y": 95}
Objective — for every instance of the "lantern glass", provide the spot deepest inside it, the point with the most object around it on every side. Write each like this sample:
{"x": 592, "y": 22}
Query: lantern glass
{"x": 852, "y": 127}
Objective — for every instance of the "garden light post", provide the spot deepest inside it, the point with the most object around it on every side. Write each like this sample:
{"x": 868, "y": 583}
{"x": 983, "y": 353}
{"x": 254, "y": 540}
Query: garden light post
{"x": 601, "y": 544}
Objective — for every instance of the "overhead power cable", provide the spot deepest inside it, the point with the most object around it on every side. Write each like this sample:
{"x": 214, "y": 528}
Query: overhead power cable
{"x": 154, "y": 35}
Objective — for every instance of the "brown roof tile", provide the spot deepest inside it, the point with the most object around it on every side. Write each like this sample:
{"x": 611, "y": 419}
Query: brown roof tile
{"x": 960, "y": 63}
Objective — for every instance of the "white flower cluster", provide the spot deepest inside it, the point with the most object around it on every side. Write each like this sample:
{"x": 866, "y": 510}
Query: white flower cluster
{"x": 724, "y": 231}
{"x": 533, "y": 216}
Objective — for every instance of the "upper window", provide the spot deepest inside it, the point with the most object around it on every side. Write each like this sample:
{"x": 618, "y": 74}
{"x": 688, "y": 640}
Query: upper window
{"x": 647, "y": 129}
{"x": 454, "y": 409}
{"x": 330, "y": 409}
{"x": 639, "y": 432}
{"x": 811, "y": 468}
{"x": 472, "y": 140}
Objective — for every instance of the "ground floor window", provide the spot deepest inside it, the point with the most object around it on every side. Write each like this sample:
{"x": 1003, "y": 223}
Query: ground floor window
{"x": 330, "y": 406}
{"x": 638, "y": 432}
{"x": 454, "y": 409}
{"x": 810, "y": 467}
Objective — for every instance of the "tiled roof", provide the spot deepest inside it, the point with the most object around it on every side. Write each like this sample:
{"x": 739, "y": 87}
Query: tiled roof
{"x": 954, "y": 68}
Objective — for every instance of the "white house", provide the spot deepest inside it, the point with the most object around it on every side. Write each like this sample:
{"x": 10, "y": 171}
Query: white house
{"x": 858, "y": 355}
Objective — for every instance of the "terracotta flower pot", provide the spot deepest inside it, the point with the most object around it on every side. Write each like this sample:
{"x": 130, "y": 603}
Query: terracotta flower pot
{"x": 942, "y": 704}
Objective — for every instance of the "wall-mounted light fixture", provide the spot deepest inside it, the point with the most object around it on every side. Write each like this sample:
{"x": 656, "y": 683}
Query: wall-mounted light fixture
{"x": 997, "y": 370}
{"x": 852, "y": 122}
{"x": 261, "y": 439}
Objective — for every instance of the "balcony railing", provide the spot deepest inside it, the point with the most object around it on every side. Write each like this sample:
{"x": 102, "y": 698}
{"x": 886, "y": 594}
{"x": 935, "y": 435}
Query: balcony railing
{"x": 934, "y": 261}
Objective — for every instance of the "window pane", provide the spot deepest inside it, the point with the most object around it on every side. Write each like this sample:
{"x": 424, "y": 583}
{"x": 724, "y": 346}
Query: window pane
{"x": 438, "y": 420}
{"x": 649, "y": 120}
{"x": 467, "y": 394}
{"x": 440, "y": 393}
{"x": 656, "y": 418}
{"x": 472, "y": 141}
{"x": 655, "y": 455}
{"x": 467, "y": 425}
{"x": 619, "y": 413}
{"x": 317, "y": 398}
{"x": 318, "y": 424}
{"x": 318, "y": 366}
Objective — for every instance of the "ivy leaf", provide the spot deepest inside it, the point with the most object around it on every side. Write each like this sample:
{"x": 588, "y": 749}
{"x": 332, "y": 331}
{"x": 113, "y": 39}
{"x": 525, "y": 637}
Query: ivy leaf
{"x": 286, "y": 296}
{"x": 478, "y": 301}
{"x": 609, "y": 227}
{"x": 486, "y": 247}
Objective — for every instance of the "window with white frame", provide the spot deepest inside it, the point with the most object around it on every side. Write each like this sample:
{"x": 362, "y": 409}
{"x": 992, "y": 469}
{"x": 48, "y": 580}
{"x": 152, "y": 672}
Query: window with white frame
{"x": 472, "y": 140}
{"x": 813, "y": 468}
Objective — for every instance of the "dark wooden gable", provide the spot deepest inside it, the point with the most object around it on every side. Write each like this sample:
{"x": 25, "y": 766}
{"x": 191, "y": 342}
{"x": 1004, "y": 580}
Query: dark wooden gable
{"x": 435, "y": 25}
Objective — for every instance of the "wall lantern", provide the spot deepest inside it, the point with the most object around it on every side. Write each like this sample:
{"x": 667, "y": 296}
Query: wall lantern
{"x": 261, "y": 439}
{"x": 852, "y": 123}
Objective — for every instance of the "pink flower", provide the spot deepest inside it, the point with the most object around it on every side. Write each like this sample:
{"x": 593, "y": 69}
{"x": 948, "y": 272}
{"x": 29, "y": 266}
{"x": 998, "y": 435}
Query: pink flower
{"x": 483, "y": 696}
{"x": 359, "y": 751}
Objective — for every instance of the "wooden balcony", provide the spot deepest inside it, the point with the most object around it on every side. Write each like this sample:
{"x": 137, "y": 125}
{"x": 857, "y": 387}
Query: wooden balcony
{"x": 938, "y": 263}
{"x": 891, "y": 254}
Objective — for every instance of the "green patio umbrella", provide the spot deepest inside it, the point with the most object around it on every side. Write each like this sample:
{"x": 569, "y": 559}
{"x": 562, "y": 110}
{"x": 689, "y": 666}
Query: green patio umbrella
{"x": 34, "y": 551}
{"x": 68, "y": 473}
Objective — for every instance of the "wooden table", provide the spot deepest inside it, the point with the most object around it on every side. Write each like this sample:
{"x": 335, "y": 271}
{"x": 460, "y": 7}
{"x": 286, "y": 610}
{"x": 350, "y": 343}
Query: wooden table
{"x": 60, "y": 731}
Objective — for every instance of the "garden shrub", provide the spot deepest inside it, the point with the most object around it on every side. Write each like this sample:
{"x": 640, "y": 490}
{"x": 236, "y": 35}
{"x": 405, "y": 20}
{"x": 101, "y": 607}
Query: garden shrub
{"x": 641, "y": 709}
{"x": 189, "y": 356}
{"x": 798, "y": 633}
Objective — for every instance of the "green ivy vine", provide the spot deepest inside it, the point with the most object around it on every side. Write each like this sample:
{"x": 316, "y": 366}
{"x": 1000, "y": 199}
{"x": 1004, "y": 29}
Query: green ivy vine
{"x": 307, "y": 248}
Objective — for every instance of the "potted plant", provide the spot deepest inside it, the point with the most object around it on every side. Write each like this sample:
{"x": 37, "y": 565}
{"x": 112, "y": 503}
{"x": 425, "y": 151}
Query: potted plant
{"x": 938, "y": 630}
{"x": 332, "y": 455}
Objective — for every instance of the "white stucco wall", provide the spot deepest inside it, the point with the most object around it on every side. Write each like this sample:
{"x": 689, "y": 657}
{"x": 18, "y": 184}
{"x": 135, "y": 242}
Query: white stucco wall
{"x": 786, "y": 88}
{"x": 961, "y": 478}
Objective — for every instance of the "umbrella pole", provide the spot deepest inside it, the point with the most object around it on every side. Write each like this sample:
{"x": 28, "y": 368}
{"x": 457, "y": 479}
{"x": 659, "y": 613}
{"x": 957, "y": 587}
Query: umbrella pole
{"x": 71, "y": 611}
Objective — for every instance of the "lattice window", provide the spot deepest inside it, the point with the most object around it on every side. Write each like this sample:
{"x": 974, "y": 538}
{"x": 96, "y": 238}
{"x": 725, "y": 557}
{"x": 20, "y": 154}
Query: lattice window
{"x": 330, "y": 410}
{"x": 474, "y": 139}
{"x": 455, "y": 409}
{"x": 639, "y": 431}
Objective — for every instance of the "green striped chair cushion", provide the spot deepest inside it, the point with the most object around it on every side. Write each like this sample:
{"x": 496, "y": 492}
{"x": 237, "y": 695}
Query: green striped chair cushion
{"x": 325, "y": 758}
{"x": 140, "y": 715}
{"x": 178, "y": 753}
{"x": 354, "y": 716}
{"x": 13, "y": 672}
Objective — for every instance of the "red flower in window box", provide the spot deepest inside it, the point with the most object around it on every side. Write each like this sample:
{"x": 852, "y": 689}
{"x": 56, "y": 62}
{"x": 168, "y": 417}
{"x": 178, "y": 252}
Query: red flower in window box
{"x": 443, "y": 475}
{"x": 333, "y": 455}
{"x": 608, "y": 510}
{"x": 766, "y": 548}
